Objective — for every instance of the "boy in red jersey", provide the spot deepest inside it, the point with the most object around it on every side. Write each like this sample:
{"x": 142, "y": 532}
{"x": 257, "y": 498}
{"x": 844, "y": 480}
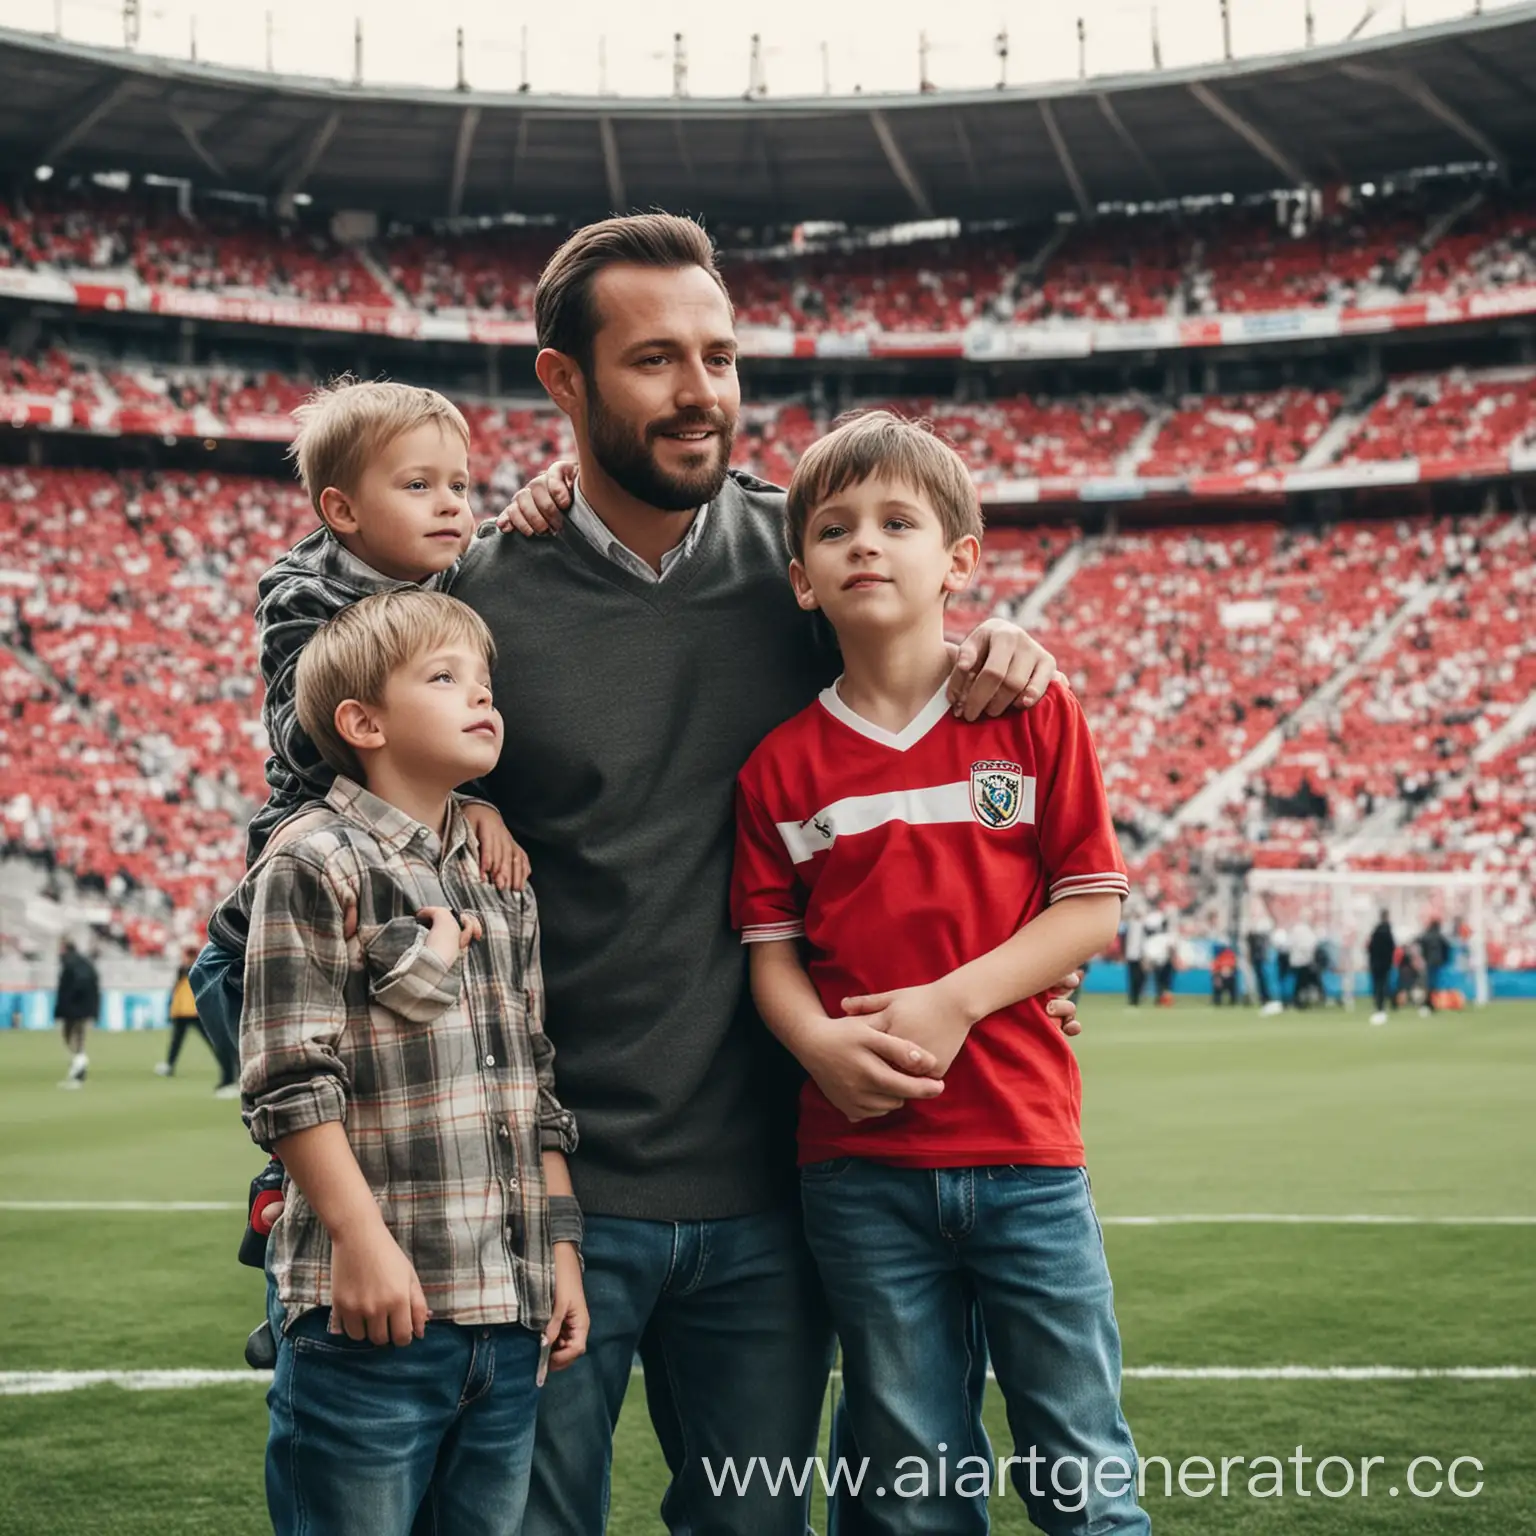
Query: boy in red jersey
{"x": 909, "y": 885}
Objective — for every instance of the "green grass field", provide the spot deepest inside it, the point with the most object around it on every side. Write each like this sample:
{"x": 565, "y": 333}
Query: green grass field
{"x": 1188, "y": 1113}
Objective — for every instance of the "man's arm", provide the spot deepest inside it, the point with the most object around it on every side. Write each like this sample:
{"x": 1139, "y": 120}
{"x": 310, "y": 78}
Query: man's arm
{"x": 998, "y": 667}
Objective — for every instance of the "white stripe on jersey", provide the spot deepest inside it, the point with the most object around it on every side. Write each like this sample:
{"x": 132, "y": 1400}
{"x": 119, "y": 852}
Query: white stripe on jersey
{"x": 938, "y": 803}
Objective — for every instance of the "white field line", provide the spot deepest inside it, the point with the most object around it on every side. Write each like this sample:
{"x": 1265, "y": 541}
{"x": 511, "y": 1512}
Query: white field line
{"x": 1195, "y": 1219}
{"x": 27, "y": 1383}
{"x": 156, "y": 1206}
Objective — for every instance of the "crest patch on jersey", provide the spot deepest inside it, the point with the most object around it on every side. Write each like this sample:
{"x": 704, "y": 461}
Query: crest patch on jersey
{"x": 997, "y": 794}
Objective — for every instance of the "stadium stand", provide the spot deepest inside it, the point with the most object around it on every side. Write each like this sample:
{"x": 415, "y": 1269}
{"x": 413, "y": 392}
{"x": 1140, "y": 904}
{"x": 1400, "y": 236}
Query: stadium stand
{"x": 1126, "y": 266}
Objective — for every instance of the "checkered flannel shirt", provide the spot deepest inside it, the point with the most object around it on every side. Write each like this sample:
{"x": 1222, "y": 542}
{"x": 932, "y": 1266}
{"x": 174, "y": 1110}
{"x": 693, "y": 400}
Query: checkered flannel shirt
{"x": 442, "y": 1074}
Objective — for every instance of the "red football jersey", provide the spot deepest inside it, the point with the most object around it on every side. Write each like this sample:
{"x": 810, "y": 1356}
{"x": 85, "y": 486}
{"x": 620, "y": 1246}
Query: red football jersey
{"x": 901, "y": 856}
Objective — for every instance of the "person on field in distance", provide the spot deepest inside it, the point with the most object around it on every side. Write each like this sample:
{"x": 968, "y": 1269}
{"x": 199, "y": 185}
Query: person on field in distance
{"x": 645, "y": 650}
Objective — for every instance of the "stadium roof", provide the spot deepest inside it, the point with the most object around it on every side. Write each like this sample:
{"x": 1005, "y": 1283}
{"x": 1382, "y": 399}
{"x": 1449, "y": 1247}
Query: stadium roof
{"x": 1343, "y": 113}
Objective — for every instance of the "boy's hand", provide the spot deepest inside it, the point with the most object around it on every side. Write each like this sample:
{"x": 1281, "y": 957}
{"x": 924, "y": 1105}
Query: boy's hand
{"x": 1059, "y": 1004}
{"x": 566, "y": 1331}
{"x": 930, "y": 1017}
{"x": 502, "y": 860}
{"x": 998, "y": 667}
{"x": 537, "y": 508}
{"x": 375, "y": 1294}
{"x": 865, "y": 1072}
{"x": 449, "y": 933}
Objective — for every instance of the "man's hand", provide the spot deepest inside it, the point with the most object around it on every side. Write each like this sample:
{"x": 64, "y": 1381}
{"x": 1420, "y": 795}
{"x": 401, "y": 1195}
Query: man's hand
{"x": 998, "y": 667}
{"x": 566, "y": 1331}
{"x": 929, "y": 1016}
{"x": 866, "y": 1072}
{"x": 375, "y": 1294}
{"x": 539, "y": 506}
{"x": 449, "y": 934}
{"x": 502, "y": 860}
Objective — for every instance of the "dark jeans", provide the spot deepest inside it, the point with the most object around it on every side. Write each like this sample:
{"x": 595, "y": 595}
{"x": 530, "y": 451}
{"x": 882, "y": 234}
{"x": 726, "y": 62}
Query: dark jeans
{"x": 180, "y": 1028}
{"x": 1381, "y": 988}
{"x": 731, "y": 1326}
{"x": 218, "y": 984}
{"x": 378, "y": 1440}
{"x": 926, "y": 1271}
{"x": 1135, "y": 982}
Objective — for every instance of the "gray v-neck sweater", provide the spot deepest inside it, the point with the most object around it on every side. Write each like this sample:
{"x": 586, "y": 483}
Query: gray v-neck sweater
{"x": 630, "y": 707}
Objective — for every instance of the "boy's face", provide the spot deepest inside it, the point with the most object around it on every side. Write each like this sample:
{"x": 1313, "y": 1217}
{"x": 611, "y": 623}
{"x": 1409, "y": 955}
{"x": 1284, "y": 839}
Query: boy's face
{"x": 875, "y": 557}
{"x": 437, "y": 720}
{"x": 409, "y": 517}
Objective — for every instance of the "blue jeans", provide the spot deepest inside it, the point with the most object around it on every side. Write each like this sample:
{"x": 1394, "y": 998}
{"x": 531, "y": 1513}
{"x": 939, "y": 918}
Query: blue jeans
{"x": 925, "y": 1271}
{"x": 731, "y": 1328}
{"x": 218, "y": 985}
{"x": 379, "y": 1440}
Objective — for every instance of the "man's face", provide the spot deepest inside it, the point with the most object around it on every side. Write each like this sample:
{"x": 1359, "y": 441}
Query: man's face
{"x": 662, "y": 396}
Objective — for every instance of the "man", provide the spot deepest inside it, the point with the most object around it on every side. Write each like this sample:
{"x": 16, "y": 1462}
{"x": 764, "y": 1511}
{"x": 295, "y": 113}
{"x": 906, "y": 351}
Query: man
{"x": 1436, "y": 950}
{"x": 644, "y": 652}
{"x": 77, "y": 1005}
{"x": 1134, "y": 944}
{"x": 1281, "y": 940}
{"x": 1381, "y": 951}
{"x": 1302, "y": 963}
{"x": 184, "y": 1019}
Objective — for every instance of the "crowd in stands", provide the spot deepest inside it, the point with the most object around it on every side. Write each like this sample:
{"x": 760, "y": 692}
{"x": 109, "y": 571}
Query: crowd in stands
{"x": 1240, "y": 434}
{"x": 222, "y": 249}
{"x": 1188, "y": 646}
{"x": 1281, "y": 253}
{"x": 1453, "y": 415}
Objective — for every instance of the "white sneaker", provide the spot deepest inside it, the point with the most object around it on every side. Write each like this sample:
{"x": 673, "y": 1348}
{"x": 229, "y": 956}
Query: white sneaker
{"x": 71, "y": 1082}
{"x": 1378, "y": 1018}
{"x": 228, "y": 1091}
{"x": 1271, "y": 1008}
{"x": 77, "y": 1065}
{"x": 163, "y": 1069}
{"x": 1424, "y": 1013}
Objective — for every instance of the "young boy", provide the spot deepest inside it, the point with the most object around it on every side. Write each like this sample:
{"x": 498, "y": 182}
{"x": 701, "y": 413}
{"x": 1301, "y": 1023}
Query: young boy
{"x": 915, "y": 882}
{"x": 386, "y": 467}
{"x": 428, "y": 1251}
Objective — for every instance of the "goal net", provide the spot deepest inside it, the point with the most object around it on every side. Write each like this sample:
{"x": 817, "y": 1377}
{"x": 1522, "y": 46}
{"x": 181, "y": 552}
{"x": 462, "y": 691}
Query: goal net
{"x": 1341, "y": 907}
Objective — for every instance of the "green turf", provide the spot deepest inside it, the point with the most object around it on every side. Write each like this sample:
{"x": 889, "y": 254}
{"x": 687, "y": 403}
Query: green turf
{"x": 1187, "y": 1112}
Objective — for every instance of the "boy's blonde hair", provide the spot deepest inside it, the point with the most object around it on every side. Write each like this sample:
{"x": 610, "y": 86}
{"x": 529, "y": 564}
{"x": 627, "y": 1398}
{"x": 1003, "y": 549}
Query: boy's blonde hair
{"x": 342, "y": 426}
{"x": 880, "y": 445}
{"x": 353, "y": 656}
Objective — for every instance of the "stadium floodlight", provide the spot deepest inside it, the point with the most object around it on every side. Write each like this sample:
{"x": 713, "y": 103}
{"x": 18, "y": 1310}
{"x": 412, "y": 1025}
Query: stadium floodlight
{"x": 1342, "y": 906}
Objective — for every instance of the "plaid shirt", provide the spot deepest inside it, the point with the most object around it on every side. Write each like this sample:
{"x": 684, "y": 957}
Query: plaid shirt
{"x": 312, "y": 583}
{"x": 442, "y": 1074}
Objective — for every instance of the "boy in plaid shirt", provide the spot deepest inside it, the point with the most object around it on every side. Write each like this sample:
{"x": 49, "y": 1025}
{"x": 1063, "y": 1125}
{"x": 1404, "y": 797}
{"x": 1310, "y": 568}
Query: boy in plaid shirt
{"x": 426, "y": 1266}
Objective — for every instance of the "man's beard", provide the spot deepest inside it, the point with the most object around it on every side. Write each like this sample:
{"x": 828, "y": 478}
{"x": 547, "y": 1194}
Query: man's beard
{"x": 628, "y": 457}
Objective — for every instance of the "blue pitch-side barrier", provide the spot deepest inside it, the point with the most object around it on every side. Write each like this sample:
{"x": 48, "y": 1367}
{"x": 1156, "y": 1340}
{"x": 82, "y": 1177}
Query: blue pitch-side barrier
{"x": 149, "y": 1010}
{"x": 1109, "y": 976}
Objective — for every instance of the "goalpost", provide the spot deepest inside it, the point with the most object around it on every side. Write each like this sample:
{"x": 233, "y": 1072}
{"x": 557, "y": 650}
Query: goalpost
{"x": 1342, "y": 906}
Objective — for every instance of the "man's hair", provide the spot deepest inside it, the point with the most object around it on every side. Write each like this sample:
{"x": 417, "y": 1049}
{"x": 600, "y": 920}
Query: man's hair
{"x": 342, "y": 426}
{"x": 353, "y": 656}
{"x": 880, "y": 445}
{"x": 564, "y": 312}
